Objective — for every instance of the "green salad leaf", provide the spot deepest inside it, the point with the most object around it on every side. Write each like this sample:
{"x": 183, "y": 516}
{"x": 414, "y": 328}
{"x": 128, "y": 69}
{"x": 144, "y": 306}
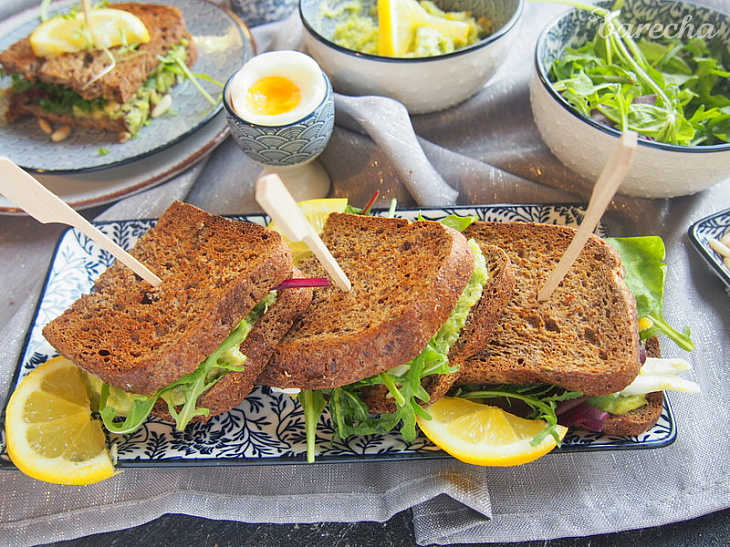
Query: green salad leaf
{"x": 667, "y": 90}
{"x": 643, "y": 260}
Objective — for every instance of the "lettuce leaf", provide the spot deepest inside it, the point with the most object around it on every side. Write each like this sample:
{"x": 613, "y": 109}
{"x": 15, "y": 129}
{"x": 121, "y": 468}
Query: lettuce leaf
{"x": 643, "y": 260}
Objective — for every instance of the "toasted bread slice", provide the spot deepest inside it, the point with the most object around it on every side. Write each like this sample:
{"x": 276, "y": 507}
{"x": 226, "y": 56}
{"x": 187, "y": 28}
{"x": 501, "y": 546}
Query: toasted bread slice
{"x": 639, "y": 420}
{"x": 214, "y": 271}
{"x": 477, "y": 331}
{"x": 406, "y": 279}
{"x": 258, "y": 346}
{"x": 75, "y": 70}
{"x": 584, "y": 338}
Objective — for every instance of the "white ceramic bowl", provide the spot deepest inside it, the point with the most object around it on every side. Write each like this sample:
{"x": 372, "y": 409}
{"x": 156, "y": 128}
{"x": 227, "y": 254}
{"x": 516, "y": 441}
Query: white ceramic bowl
{"x": 584, "y": 145}
{"x": 424, "y": 84}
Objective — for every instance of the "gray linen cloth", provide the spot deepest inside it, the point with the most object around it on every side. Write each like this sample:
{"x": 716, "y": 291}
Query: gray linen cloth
{"x": 490, "y": 152}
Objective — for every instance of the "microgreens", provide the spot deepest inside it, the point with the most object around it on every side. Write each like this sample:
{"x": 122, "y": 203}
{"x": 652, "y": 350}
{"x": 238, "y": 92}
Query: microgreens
{"x": 666, "y": 90}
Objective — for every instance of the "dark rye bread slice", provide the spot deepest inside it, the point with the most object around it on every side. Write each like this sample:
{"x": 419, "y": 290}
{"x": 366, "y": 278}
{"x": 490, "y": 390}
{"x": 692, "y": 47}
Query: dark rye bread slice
{"x": 477, "y": 331}
{"x": 139, "y": 339}
{"x": 406, "y": 278}
{"x": 74, "y": 70}
{"x": 639, "y": 420}
{"x": 584, "y": 338}
{"x": 258, "y": 346}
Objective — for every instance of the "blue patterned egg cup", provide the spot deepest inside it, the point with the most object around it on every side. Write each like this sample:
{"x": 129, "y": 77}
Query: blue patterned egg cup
{"x": 288, "y": 150}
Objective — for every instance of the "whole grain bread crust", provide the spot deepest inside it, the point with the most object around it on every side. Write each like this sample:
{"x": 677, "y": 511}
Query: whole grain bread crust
{"x": 406, "y": 278}
{"x": 166, "y": 26}
{"x": 584, "y": 338}
{"x": 139, "y": 339}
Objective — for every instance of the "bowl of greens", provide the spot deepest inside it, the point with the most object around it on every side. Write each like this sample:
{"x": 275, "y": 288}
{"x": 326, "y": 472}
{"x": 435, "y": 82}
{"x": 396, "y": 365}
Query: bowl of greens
{"x": 658, "y": 67}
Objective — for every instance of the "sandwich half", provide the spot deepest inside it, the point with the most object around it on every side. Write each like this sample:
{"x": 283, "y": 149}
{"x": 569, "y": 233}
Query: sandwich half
{"x": 584, "y": 341}
{"x": 111, "y": 89}
{"x": 192, "y": 347}
{"x": 416, "y": 285}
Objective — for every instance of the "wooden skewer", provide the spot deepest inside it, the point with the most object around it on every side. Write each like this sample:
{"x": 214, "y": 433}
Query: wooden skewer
{"x": 45, "y": 206}
{"x": 86, "y": 6}
{"x": 606, "y": 186}
{"x": 279, "y": 204}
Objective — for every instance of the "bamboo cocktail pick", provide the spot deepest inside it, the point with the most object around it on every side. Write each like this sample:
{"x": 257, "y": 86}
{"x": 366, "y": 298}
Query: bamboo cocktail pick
{"x": 279, "y": 204}
{"x": 606, "y": 186}
{"x": 45, "y": 206}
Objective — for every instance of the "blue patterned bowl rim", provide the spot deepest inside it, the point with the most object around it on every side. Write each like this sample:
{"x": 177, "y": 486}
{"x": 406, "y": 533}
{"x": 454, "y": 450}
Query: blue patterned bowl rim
{"x": 542, "y": 75}
{"x": 232, "y": 112}
{"x": 496, "y": 35}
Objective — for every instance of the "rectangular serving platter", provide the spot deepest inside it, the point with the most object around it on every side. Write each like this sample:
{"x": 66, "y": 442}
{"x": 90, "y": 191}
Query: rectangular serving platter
{"x": 268, "y": 428}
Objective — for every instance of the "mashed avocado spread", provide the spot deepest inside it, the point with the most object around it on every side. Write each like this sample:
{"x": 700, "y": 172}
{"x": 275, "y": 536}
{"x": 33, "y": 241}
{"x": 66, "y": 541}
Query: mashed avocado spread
{"x": 358, "y": 30}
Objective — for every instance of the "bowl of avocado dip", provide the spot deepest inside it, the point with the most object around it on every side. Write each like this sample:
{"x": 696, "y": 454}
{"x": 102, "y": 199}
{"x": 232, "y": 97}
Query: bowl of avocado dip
{"x": 401, "y": 48}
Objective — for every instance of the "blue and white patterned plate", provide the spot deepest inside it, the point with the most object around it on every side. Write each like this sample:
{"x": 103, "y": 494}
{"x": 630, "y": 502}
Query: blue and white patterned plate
{"x": 268, "y": 428}
{"x": 223, "y": 45}
{"x": 711, "y": 227}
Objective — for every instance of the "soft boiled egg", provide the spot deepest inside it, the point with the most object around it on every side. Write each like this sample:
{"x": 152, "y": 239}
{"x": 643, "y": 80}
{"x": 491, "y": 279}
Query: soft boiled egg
{"x": 277, "y": 88}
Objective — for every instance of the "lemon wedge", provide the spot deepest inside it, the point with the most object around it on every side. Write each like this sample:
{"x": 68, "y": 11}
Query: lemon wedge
{"x": 316, "y": 212}
{"x": 483, "y": 434}
{"x": 70, "y": 34}
{"x": 50, "y": 433}
{"x": 398, "y": 21}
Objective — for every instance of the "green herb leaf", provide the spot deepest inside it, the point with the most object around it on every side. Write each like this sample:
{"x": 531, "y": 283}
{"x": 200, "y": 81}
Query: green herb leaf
{"x": 612, "y": 74}
{"x": 643, "y": 260}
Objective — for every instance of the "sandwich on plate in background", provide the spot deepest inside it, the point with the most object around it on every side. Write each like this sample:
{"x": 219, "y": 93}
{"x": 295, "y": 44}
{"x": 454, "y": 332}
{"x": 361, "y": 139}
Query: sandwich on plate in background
{"x": 113, "y": 76}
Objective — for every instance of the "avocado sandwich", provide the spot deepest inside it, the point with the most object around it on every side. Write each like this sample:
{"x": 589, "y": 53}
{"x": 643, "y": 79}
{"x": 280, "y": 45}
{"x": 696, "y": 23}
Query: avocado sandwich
{"x": 376, "y": 354}
{"x": 584, "y": 340}
{"x": 114, "y": 89}
{"x": 192, "y": 347}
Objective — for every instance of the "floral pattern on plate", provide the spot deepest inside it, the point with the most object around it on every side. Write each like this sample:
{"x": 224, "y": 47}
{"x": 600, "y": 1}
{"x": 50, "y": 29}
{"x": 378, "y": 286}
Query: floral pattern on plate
{"x": 268, "y": 428}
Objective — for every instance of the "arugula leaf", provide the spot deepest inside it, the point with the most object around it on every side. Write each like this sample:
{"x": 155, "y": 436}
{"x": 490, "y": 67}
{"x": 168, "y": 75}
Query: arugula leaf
{"x": 542, "y": 399}
{"x": 612, "y": 74}
{"x": 643, "y": 260}
{"x": 313, "y": 403}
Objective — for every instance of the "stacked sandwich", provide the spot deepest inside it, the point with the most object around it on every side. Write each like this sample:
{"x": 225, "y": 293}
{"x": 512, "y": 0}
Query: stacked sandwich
{"x": 86, "y": 80}
{"x": 435, "y": 308}
{"x": 194, "y": 346}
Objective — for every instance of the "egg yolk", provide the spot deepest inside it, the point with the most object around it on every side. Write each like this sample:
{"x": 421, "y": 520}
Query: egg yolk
{"x": 273, "y": 95}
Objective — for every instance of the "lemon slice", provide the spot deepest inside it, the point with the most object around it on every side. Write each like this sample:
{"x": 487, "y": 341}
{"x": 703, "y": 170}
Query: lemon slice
{"x": 316, "y": 212}
{"x": 70, "y": 34}
{"x": 50, "y": 433}
{"x": 483, "y": 434}
{"x": 398, "y": 21}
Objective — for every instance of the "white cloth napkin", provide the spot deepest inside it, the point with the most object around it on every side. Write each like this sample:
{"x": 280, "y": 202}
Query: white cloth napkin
{"x": 489, "y": 151}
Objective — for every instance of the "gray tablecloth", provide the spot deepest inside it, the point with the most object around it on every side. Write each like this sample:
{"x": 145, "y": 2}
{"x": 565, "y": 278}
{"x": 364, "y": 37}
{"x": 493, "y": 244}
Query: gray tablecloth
{"x": 489, "y": 149}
